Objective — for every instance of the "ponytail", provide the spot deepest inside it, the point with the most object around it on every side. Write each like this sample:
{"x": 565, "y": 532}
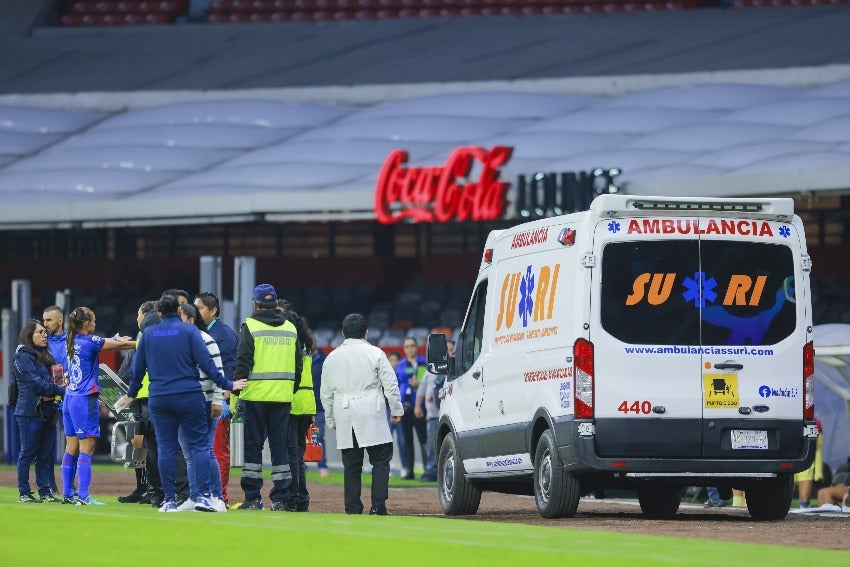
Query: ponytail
{"x": 76, "y": 320}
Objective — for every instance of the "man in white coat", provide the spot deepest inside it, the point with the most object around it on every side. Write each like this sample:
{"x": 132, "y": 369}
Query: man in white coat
{"x": 357, "y": 383}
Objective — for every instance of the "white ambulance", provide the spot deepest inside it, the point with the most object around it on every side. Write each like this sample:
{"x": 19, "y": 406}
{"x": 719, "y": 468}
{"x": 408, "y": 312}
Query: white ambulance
{"x": 647, "y": 344}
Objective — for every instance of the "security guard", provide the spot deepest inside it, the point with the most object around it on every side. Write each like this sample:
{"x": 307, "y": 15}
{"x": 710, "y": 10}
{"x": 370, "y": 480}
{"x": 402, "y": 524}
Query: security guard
{"x": 268, "y": 355}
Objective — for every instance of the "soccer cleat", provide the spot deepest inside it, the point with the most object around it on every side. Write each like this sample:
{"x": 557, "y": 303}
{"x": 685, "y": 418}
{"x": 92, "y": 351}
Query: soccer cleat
{"x": 218, "y": 504}
{"x": 69, "y": 500}
{"x": 89, "y": 501}
{"x": 31, "y": 498}
{"x": 203, "y": 504}
{"x": 169, "y": 506}
{"x": 283, "y": 507}
{"x": 380, "y": 512}
{"x": 49, "y": 498}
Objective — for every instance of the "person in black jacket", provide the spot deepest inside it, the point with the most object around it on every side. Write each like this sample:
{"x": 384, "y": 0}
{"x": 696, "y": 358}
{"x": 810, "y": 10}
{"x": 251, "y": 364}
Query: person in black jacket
{"x": 35, "y": 411}
{"x": 148, "y": 483}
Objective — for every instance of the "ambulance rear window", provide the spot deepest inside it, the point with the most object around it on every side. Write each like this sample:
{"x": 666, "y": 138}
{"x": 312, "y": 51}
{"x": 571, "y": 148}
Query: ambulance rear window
{"x": 689, "y": 292}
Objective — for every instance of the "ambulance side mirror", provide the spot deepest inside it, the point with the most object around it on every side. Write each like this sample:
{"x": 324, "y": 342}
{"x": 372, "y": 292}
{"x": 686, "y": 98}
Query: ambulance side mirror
{"x": 437, "y": 354}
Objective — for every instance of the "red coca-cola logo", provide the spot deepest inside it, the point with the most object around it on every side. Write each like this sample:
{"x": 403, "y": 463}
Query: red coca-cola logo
{"x": 440, "y": 194}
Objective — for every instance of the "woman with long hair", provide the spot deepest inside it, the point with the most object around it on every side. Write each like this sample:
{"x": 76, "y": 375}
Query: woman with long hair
{"x": 35, "y": 411}
{"x": 81, "y": 411}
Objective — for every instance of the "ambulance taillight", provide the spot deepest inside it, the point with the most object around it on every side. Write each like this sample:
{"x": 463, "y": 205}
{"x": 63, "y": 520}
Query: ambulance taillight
{"x": 583, "y": 372}
{"x": 809, "y": 381}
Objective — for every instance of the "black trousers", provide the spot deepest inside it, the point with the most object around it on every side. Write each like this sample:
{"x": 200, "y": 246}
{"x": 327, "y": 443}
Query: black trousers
{"x": 272, "y": 418}
{"x": 352, "y": 462}
{"x": 298, "y": 426}
{"x": 139, "y": 408}
{"x": 409, "y": 423}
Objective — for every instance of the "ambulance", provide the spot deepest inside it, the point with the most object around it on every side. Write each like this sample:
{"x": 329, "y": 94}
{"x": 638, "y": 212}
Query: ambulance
{"x": 648, "y": 344}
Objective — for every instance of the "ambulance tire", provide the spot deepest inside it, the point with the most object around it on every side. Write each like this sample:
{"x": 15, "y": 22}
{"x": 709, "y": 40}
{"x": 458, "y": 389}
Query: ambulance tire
{"x": 770, "y": 498}
{"x": 556, "y": 491}
{"x": 660, "y": 502}
{"x": 458, "y": 497}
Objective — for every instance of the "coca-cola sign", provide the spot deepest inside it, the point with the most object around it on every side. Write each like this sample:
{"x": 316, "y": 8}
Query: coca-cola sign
{"x": 443, "y": 193}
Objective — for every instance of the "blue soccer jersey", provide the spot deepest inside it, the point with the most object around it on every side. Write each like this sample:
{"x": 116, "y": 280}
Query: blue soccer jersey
{"x": 82, "y": 377}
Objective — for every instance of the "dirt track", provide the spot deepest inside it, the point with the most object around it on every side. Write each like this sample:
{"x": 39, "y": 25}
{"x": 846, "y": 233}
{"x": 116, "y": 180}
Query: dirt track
{"x": 725, "y": 524}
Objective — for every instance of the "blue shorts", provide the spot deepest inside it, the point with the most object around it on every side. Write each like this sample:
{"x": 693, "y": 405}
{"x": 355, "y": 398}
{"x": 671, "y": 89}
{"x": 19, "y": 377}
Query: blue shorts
{"x": 81, "y": 416}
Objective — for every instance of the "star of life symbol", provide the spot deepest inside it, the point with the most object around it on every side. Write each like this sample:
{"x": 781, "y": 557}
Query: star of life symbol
{"x": 526, "y": 303}
{"x": 613, "y": 226}
{"x": 784, "y": 231}
{"x": 697, "y": 283}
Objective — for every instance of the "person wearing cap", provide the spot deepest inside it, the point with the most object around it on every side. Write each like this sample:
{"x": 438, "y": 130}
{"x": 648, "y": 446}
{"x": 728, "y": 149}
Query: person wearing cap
{"x": 268, "y": 354}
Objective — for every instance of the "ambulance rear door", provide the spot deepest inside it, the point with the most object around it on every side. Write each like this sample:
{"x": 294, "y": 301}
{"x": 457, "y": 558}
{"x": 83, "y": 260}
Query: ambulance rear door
{"x": 753, "y": 331}
{"x": 645, "y": 330}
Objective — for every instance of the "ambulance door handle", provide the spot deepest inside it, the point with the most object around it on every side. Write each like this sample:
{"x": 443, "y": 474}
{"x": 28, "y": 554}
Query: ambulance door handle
{"x": 477, "y": 375}
{"x": 729, "y": 366}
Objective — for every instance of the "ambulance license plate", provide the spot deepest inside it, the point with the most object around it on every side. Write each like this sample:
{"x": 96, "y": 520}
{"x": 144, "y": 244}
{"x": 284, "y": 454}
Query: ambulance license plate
{"x": 749, "y": 439}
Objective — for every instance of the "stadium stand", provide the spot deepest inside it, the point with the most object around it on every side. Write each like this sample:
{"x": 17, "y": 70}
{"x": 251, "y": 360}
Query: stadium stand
{"x": 123, "y": 12}
{"x": 235, "y": 11}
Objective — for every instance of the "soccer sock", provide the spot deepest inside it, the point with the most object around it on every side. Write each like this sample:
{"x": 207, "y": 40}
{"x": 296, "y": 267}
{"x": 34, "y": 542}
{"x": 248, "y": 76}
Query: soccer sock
{"x": 69, "y": 469}
{"x": 84, "y": 468}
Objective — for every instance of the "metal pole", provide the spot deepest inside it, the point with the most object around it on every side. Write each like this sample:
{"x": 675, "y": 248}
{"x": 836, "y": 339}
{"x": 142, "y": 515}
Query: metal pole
{"x": 244, "y": 281}
{"x": 211, "y": 274}
{"x": 22, "y": 300}
{"x": 63, "y": 302}
{"x": 11, "y": 328}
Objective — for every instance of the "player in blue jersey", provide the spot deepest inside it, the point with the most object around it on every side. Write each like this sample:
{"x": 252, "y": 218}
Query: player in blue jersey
{"x": 80, "y": 410}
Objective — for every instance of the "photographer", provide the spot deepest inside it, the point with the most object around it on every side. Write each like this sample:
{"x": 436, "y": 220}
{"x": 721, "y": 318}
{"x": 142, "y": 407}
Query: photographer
{"x": 35, "y": 411}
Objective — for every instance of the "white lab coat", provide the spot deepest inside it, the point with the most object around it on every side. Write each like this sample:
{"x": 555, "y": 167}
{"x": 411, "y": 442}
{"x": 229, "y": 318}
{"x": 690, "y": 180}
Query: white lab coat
{"x": 356, "y": 380}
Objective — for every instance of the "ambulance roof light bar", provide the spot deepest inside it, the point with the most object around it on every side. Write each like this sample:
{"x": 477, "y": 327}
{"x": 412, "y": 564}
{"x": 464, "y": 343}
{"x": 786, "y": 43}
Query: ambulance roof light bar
{"x": 698, "y": 206}
{"x": 774, "y": 208}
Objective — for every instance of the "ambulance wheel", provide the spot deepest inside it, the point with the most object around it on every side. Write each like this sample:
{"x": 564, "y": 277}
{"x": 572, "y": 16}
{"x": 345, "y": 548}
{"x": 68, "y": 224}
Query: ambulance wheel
{"x": 660, "y": 502}
{"x": 770, "y": 498}
{"x": 458, "y": 497}
{"x": 556, "y": 491}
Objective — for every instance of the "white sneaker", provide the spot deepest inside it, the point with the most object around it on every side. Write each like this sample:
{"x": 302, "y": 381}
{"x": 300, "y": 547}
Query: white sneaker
{"x": 168, "y": 506}
{"x": 188, "y": 505}
{"x": 218, "y": 504}
{"x": 203, "y": 504}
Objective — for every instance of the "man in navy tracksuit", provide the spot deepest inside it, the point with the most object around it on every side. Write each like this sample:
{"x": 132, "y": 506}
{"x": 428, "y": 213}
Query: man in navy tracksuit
{"x": 171, "y": 352}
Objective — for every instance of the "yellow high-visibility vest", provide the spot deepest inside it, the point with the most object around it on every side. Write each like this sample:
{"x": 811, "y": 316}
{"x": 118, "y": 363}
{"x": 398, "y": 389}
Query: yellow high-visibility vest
{"x": 144, "y": 390}
{"x": 304, "y": 400}
{"x": 272, "y": 379}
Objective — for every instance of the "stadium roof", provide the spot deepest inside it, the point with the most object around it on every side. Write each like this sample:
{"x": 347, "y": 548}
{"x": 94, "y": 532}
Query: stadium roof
{"x": 254, "y": 159}
{"x": 110, "y": 127}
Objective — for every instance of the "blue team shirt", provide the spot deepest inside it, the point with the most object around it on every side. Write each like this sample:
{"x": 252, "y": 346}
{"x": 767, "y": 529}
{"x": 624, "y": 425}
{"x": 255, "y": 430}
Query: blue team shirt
{"x": 83, "y": 367}
{"x": 57, "y": 346}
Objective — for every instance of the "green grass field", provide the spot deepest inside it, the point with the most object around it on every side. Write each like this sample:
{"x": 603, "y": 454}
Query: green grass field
{"x": 38, "y": 534}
